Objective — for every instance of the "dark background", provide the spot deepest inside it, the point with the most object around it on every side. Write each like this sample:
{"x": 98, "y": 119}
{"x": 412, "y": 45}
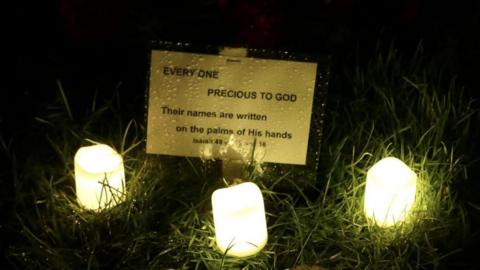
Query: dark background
{"x": 93, "y": 45}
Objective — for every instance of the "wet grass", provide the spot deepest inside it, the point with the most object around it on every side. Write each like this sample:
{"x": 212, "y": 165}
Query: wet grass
{"x": 393, "y": 106}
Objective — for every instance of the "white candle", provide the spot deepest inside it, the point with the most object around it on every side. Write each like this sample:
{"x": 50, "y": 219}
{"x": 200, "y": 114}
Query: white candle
{"x": 389, "y": 192}
{"x": 239, "y": 219}
{"x": 99, "y": 177}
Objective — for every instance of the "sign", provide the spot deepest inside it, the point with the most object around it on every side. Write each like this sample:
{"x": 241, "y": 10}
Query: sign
{"x": 201, "y": 102}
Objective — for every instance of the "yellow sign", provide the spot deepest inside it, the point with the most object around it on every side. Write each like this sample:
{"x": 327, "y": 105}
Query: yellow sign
{"x": 199, "y": 105}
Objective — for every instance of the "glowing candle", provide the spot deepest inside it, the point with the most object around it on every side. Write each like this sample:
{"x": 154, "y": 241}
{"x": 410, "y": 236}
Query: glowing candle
{"x": 390, "y": 192}
{"x": 99, "y": 177}
{"x": 239, "y": 219}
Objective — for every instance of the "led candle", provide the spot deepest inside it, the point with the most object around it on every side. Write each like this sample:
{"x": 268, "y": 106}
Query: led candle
{"x": 390, "y": 192}
{"x": 239, "y": 219}
{"x": 99, "y": 177}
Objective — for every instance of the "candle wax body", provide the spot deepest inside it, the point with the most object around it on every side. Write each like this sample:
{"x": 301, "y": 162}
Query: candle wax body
{"x": 239, "y": 218}
{"x": 390, "y": 192}
{"x": 99, "y": 177}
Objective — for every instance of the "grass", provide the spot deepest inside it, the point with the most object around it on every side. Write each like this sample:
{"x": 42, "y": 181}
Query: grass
{"x": 392, "y": 106}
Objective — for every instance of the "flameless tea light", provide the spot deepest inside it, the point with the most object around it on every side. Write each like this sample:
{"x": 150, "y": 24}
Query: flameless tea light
{"x": 390, "y": 192}
{"x": 99, "y": 177}
{"x": 239, "y": 219}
